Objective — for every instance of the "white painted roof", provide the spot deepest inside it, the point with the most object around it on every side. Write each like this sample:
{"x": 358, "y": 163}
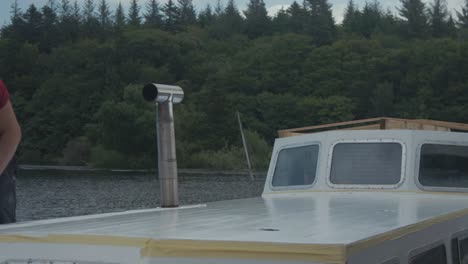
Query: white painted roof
{"x": 312, "y": 218}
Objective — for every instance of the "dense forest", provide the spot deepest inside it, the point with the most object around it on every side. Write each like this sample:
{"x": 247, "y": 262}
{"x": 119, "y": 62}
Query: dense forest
{"x": 75, "y": 74}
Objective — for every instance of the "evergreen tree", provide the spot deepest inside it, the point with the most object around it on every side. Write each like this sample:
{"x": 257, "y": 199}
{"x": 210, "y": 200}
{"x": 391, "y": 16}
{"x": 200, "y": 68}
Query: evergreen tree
{"x": 321, "y": 24}
{"x": 89, "y": 10}
{"x": 75, "y": 13}
{"x": 256, "y": 19}
{"x": 50, "y": 32}
{"x": 15, "y": 11}
{"x": 438, "y": 16}
{"x": 153, "y": 16}
{"x": 451, "y": 27}
{"x": 463, "y": 16}
{"x": 134, "y": 18}
{"x": 186, "y": 13}
{"x": 119, "y": 21}
{"x": 351, "y": 17}
{"x": 370, "y": 19}
{"x": 206, "y": 17}
{"x": 218, "y": 11}
{"x": 90, "y": 21}
{"x": 65, "y": 9}
{"x": 15, "y": 29}
{"x": 414, "y": 24}
{"x": 52, "y": 4}
{"x": 32, "y": 24}
{"x": 170, "y": 16}
{"x": 297, "y": 18}
{"x": 281, "y": 21}
{"x": 231, "y": 19}
{"x": 104, "y": 15}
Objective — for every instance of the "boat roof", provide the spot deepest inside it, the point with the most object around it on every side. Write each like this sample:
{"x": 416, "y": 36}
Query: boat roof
{"x": 329, "y": 218}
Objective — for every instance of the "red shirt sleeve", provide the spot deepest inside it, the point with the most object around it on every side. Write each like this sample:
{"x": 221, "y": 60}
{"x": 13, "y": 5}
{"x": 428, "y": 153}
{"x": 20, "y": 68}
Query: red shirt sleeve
{"x": 4, "y": 96}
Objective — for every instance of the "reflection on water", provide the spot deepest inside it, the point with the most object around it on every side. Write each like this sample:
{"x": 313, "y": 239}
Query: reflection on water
{"x": 50, "y": 194}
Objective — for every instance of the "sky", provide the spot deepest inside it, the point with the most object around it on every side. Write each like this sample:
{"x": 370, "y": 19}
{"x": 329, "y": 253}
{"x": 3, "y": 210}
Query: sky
{"x": 272, "y": 5}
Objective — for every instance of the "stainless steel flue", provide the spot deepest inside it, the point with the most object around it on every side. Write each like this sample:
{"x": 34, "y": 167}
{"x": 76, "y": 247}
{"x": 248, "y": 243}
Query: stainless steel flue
{"x": 165, "y": 96}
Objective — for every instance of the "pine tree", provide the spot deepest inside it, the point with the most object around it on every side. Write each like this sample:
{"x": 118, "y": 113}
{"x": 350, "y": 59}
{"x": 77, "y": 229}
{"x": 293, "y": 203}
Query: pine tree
{"x": 134, "y": 18}
{"x": 414, "y": 17}
{"x": 280, "y": 21}
{"x": 218, "y": 11}
{"x": 256, "y": 18}
{"x": 33, "y": 24}
{"x": 170, "y": 16}
{"x": 75, "y": 12}
{"x": 119, "y": 22}
{"x": 297, "y": 18}
{"x": 52, "y": 4}
{"x": 104, "y": 14}
{"x": 370, "y": 19}
{"x": 65, "y": 9}
{"x": 186, "y": 13}
{"x": 231, "y": 19}
{"x": 15, "y": 11}
{"x": 321, "y": 24}
{"x": 89, "y": 10}
{"x": 351, "y": 17}
{"x": 49, "y": 35}
{"x": 438, "y": 16}
{"x": 90, "y": 21}
{"x": 153, "y": 16}
{"x": 451, "y": 27}
{"x": 206, "y": 17}
{"x": 463, "y": 16}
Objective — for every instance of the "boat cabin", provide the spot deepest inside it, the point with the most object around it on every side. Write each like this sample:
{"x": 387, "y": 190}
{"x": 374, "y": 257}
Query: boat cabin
{"x": 374, "y": 191}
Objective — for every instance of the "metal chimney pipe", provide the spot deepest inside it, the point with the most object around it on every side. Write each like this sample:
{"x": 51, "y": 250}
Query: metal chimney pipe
{"x": 165, "y": 96}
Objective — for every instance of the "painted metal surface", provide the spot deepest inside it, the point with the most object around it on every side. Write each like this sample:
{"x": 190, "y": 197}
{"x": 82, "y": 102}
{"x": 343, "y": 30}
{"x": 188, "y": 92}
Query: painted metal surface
{"x": 311, "y": 218}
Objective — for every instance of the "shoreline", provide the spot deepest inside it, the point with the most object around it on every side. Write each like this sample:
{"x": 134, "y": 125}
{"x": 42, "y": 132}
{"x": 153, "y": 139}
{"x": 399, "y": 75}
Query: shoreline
{"x": 91, "y": 169}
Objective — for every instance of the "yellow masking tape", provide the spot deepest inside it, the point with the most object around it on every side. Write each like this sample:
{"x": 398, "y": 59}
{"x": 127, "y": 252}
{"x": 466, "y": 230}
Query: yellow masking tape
{"x": 149, "y": 248}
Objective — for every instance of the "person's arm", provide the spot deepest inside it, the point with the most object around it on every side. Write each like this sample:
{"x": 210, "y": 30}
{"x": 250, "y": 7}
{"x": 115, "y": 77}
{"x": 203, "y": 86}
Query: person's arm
{"x": 10, "y": 135}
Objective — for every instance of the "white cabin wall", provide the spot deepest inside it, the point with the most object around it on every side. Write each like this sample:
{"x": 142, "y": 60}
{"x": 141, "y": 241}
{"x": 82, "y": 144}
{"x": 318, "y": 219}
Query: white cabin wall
{"x": 411, "y": 139}
{"x": 59, "y": 253}
{"x": 405, "y": 246}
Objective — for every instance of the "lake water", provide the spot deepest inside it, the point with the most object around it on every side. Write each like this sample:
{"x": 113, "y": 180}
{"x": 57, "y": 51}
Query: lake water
{"x": 51, "y": 194}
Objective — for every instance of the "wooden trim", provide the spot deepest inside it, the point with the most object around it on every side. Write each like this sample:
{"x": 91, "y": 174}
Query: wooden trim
{"x": 382, "y": 123}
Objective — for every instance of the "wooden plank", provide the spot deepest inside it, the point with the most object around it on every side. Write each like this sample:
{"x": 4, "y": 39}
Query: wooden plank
{"x": 368, "y": 127}
{"x": 451, "y": 125}
{"x": 394, "y": 124}
{"x": 378, "y": 123}
{"x": 283, "y": 133}
{"x": 333, "y": 125}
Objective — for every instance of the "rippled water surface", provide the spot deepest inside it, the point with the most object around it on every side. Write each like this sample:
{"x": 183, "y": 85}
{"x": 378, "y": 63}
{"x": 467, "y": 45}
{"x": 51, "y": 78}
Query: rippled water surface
{"x": 50, "y": 194}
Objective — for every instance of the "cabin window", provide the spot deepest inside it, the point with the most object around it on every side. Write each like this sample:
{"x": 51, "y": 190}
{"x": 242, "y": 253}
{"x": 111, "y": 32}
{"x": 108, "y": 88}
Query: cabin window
{"x": 296, "y": 166}
{"x": 460, "y": 251}
{"x": 443, "y": 166}
{"x": 435, "y": 255}
{"x": 455, "y": 251}
{"x": 366, "y": 163}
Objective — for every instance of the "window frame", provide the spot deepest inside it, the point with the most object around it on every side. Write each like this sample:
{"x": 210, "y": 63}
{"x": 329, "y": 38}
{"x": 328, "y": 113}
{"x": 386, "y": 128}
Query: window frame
{"x": 460, "y": 235}
{"x": 415, "y": 252}
{"x": 291, "y": 146}
{"x": 368, "y": 186}
{"x": 418, "y": 165}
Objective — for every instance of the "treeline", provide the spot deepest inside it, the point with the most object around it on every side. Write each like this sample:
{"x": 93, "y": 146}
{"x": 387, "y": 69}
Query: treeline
{"x": 76, "y": 71}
